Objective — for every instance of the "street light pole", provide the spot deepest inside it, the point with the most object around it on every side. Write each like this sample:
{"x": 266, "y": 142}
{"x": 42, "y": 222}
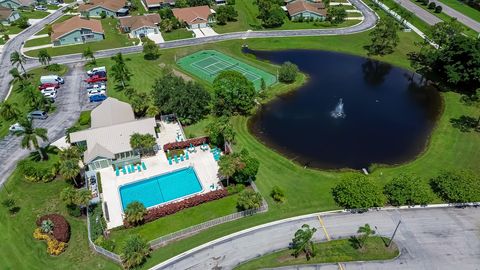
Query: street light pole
{"x": 394, "y": 232}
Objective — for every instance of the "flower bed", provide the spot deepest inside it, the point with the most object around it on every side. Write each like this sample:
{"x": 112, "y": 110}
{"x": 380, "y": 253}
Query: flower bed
{"x": 61, "y": 228}
{"x": 54, "y": 247}
{"x": 185, "y": 144}
{"x": 172, "y": 208}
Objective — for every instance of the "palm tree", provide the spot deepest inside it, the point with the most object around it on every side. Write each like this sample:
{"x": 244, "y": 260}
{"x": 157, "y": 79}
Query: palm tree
{"x": 31, "y": 135}
{"x": 134, "y": 251}
{"x": 364, "y": 231}
{"x": 120, "y": 71}
{"x": 153, "y": 111}
{"x": 70, "y": 153}
{"x": 135, "y": 212}
{"x": 44, "y": 57}
{"x": 88, "y": 54}
{"x": 9, "y": 110}
{"x": 302, "y": 241}
{"x": 228, "y": 165}
{"x": 17, "y": 77}
{"x": 18, "y": 59}
{"x": 69, "y": 169}
{"x": 33, "y": 97}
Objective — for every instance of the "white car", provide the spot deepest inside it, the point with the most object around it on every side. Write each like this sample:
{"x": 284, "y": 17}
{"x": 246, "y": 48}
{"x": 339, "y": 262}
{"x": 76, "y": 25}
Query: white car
{"x": 16, "y": 127}
{"x": 49, "y": 90}
{"x": 100, "y": 86}
{"x": 51, "y": 95}
{"x": 42, "y": 8}
{"x": 94, "y": 92}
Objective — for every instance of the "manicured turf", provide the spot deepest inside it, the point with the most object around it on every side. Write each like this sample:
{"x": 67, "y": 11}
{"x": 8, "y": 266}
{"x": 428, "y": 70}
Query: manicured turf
{"x": 463, "y": 8}
{"x": 37, "y": 42}
{"x": 181, "y": 33}
{"x": 328, "y": 252}
{"x": 34, "y": 14}
{"x": 178, "y": 221}
{"x": 208, "y": 64}
{"x": 17, "y": 97}
{"x": 20, "y": 250}
{"x": 419, "y": 23}
{"x": 113, "y": 39}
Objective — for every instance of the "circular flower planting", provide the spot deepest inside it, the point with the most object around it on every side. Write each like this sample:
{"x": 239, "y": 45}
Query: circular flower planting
{"x": 54, "y": 229}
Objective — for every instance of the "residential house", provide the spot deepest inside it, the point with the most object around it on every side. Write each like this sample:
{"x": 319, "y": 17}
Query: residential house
{"x": 194, "y": 17}
{"x": 157, "y": 4}
{"x": 95, "y": 8}
{"x": 7, "y": 16}
{"x": 77, "y": 31}
{"x": 139, "y": 26}
{"x": 304, "y": 9}
{"x": 108, "y": 139}
{"x": 16, "y": 4}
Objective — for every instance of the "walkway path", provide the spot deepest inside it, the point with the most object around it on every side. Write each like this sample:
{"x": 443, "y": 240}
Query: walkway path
{"x": 26, "y": 49}
{"x": 441, "y": 238}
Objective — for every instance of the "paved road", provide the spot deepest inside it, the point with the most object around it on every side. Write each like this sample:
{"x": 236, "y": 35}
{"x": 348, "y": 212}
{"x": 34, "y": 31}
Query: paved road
{"x": 435, "y": 238}
{"x": 419, "y": 12}
{"x": 69, "y": 103}
{"x": 460, "y": 16}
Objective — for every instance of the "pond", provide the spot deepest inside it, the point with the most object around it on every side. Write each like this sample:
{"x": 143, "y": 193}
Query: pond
{"x": 387, "y": 115}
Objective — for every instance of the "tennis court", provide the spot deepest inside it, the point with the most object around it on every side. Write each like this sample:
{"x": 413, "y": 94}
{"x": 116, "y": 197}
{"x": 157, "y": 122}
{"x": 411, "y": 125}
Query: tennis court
{"x": 208, "y": 64}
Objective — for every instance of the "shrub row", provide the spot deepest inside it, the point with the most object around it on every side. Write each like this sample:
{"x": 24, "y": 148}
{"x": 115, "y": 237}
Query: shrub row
{"x": 54, "y": 247}
{"x": 172, "y": 208}
{"x": 185, "y": 144}
{"x": 36, "y": 173}
{"x": 61, "y": 228}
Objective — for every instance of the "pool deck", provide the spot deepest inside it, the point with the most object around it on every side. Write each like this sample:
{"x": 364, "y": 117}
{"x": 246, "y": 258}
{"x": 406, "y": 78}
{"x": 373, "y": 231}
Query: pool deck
{"x": 202, "y": 161}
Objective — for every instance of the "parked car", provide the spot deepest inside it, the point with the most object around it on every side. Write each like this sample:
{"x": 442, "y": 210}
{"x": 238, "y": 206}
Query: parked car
{"x": 47, "y": 85}
{"x": 99, "y": 85}
{"x": 49, "y": 90}
{"x": 97, "y": 98}
{"x": 52, "y": 79}
{"x": 96, "y": 69}
{"x": 100, "y": 73}
{"x": 37, "y": 115}
{"x": 16, "y": 127}
{"x": 96, "y": 78}
{"x": 96, "y": 92}
{"x": 42, "y": 8}
{"x": 50, "y": 95}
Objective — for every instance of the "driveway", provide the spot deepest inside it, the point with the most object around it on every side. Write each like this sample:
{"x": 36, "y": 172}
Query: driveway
{"x": 198, "y": 33}
{"x": 157, "y": 38}
{"x": 435, "y": 238}
{"x": 208, "y": 32}
{"x": 69, "y": 103}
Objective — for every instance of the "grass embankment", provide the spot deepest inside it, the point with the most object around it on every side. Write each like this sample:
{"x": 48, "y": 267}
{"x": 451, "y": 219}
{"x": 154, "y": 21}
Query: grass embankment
{"x": 333, "y": 251}
{"x": 247, "y": 20}
{"x": 181, "y": 33}
{"x": 37, "y": 42}
{"x": 17, "y": 97}
{"x": 33, "y": 14}
{"x": 113, "y": 39}
{"x": 463, "y": 8}
{"x": 20, "y": 250}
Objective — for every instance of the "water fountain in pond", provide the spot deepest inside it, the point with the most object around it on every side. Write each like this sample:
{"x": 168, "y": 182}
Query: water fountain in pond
{"x": 338, "y": 112}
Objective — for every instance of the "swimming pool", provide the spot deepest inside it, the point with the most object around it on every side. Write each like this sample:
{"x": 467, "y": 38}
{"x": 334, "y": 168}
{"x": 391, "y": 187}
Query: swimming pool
{"x": 161, "y": 188}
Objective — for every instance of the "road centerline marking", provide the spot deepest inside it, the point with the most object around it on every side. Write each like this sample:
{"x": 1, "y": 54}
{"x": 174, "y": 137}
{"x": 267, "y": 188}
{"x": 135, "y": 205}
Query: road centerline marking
{"x": 322, "y": 224}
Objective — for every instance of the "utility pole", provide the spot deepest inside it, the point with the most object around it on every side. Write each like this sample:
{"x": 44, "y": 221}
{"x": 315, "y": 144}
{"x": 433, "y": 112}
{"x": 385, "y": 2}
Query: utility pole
{"x": 394, "y": 232}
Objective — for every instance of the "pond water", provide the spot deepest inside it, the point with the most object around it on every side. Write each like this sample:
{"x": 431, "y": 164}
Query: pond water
{"x": 386, "y": 118}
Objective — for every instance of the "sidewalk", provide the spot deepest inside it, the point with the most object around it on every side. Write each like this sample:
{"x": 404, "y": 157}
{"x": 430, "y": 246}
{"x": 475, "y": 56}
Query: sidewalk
{"x": 36, "y": 47}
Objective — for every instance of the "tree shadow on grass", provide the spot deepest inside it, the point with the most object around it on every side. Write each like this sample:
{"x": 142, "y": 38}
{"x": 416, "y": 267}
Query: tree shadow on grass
{"x": 464, "y": 123}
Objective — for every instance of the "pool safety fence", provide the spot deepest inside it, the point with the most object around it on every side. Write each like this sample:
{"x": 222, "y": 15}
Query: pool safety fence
{"x": 108, "y": 254}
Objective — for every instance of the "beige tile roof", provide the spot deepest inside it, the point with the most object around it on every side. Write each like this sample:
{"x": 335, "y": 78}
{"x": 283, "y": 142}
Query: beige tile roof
{"x": 299, "y": 6}
{"x": 113, "y": 5}
{"x": 5, "y": 13}
{"x": 111, "y": 112}
{"x": 26, "y": 2}
{"x": 60, "y": 29}
{"x": 158, "y": 2}
{"x": 193, "y": 15}
{"x": 135, "y": 22}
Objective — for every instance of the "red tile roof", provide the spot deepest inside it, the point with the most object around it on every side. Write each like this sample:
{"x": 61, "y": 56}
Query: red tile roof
{"x": 113, "y": 5}
{"x": 60, "y": 29}
{"x": 135, "y": 22}
{"x": 193, "y": 15}
{"x": 299, "y": 6}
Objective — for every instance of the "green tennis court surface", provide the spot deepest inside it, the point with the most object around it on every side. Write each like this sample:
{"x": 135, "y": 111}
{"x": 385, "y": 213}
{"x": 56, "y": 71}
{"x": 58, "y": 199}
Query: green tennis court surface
{"x": 208, "y": 64}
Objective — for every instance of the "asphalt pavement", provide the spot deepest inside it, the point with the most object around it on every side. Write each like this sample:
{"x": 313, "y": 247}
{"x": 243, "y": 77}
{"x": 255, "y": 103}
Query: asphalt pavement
{"x": 460, "y": 16}
{"x": 419, "y": 12}
{"x": 435, "y": 238}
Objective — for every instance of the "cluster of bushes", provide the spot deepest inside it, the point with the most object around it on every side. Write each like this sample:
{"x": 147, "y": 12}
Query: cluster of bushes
{"x": 431, "y": 5}
{"x": 185, "y": 144}
{"x": 97, "y": 225}
{"x": 235, "y": 188}
{"x": 172, "y": 208}
{"x": 61, "y": 228}
{"x": 357, "y": 191}
{"x": 36, "y": 171}
{"x": 249, "y": 199}
{"x": 54, "y": 247}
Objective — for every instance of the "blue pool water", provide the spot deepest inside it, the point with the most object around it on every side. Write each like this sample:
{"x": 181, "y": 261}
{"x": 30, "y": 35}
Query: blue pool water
{"x": 161, "y": 188}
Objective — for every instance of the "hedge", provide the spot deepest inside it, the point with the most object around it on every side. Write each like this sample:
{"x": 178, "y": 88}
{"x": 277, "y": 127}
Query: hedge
{"x": 185, "y": 144}
{"x": 61, "y": 228}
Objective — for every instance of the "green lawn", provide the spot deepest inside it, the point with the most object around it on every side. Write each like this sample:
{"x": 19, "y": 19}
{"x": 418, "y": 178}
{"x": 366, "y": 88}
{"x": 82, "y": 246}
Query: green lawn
{"x": 181, "y": 33}
{"x": 327, "y": 252}
{"x": 20, "y": 250}
{"x": 463, "y": 8}
{"x": 444, "y": 17}
{"x": 10, "y": 29}
{"x": 37, "y": 42}
{"x": 59, "y": 20}
{"x": 17, "y": 97}
{"x": 113, "y": 39}
{"x": 419, "y": 23}
{"x": 140, "y": 9}
{"x": 178, "y": 221}
{"x": 34, "y": 14}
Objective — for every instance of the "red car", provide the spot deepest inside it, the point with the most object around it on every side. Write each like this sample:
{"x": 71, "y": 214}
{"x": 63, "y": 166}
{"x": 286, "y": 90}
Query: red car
{"x": 46, "y": 85}
{"x": 96, "y": 78}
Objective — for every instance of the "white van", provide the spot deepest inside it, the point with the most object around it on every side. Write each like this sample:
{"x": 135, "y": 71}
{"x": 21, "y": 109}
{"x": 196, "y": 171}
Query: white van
{"x": 95, "y": 70}
{"x": 51, "y": 79}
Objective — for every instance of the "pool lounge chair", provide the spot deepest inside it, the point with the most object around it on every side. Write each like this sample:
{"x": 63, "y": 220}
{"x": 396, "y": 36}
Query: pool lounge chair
{"x": 129, "y": 169}
{"x": 181, "y": 157}
{"x": 139, "y": 168}
{"x": 170, "y": 161}
{"x": 132, "y": 167}
{"x": 117, "y": 171}
{"x": 186, "y": 156}
{"x": 176, "y": 159}
{"x": 123, "y": 170}
{"x": 144, "y": 167}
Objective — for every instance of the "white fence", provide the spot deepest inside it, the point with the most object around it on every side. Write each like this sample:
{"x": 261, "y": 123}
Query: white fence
{"x": 110, "y": 255}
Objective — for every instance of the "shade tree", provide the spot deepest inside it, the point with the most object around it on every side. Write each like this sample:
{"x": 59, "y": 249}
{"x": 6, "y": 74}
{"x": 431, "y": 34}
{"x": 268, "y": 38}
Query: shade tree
{"x": 357, "y": 191}
{"x": 233, "y": 94}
